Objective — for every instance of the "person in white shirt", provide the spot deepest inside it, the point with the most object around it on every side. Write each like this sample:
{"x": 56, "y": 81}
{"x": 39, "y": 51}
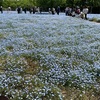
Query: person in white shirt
{"x": 85, "y": 11}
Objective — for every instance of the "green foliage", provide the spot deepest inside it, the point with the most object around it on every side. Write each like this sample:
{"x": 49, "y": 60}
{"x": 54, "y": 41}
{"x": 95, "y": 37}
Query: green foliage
{"x": 1, "y": 36}
{"x": 48, "y": 3}
{"x": 15, "y": 3}
{"x": 9, "y": 48}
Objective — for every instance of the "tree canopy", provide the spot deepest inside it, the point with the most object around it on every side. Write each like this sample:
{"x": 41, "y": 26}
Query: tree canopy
{"x": 48, "y": 3}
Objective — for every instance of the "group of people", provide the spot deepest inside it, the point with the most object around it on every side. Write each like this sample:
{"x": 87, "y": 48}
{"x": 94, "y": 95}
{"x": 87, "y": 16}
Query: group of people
{"x": 53, "y": 10}
{"x": 38, "y": 9}
{"x": 1, "y": 9}
{"x": 77, "y": 12}
{"x": 31, "y": 10}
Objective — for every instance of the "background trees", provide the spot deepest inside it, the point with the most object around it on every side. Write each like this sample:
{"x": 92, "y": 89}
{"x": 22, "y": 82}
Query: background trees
{"x": 49, "y": 3}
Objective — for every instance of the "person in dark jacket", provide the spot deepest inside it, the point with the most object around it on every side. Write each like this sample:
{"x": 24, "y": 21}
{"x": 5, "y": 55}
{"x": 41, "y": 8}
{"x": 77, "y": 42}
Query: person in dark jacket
{"x": 19, "y": 10}
{"x": 25, "y": 10}
{"x": 58, "y": 10}
{"x": 34, "y": 10}
{"x": 1, "y": 10}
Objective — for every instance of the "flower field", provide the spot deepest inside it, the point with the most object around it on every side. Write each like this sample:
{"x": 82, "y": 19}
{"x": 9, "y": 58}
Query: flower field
{"x": 49, "y": 57}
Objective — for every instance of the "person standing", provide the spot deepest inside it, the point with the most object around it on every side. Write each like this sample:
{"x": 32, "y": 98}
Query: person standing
{"x": 69, "y": 11}
{"x": 30, "y": 10}
{"x": 66, "y": 11}
{"x": 78, "y": 11}
{"x": 1, "y": 9}
{"x": 85, "y": 11}
{"x": 53, "y": 11}
{"x": 9, "y": 9}
{"x": 19, "y": 10}
{"x": 25, "y": 10}
{"x": 34, "y": 10}
{"x": 58, "y": 10}
{"x": 49, "y": 10}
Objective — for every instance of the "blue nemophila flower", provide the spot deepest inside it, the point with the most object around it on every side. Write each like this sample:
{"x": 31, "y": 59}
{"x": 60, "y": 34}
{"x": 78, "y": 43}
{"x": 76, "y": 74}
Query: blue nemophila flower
{"x": 66, "y": 49}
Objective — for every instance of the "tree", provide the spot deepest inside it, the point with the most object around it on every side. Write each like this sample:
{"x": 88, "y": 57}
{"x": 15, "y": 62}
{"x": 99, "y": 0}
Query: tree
{"x": 49, "y": 3}
{"x": 1, "y": 2}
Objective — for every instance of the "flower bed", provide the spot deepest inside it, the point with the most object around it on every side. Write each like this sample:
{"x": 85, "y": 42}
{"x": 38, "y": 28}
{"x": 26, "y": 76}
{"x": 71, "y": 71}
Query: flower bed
{"x": 42, "y": 55}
